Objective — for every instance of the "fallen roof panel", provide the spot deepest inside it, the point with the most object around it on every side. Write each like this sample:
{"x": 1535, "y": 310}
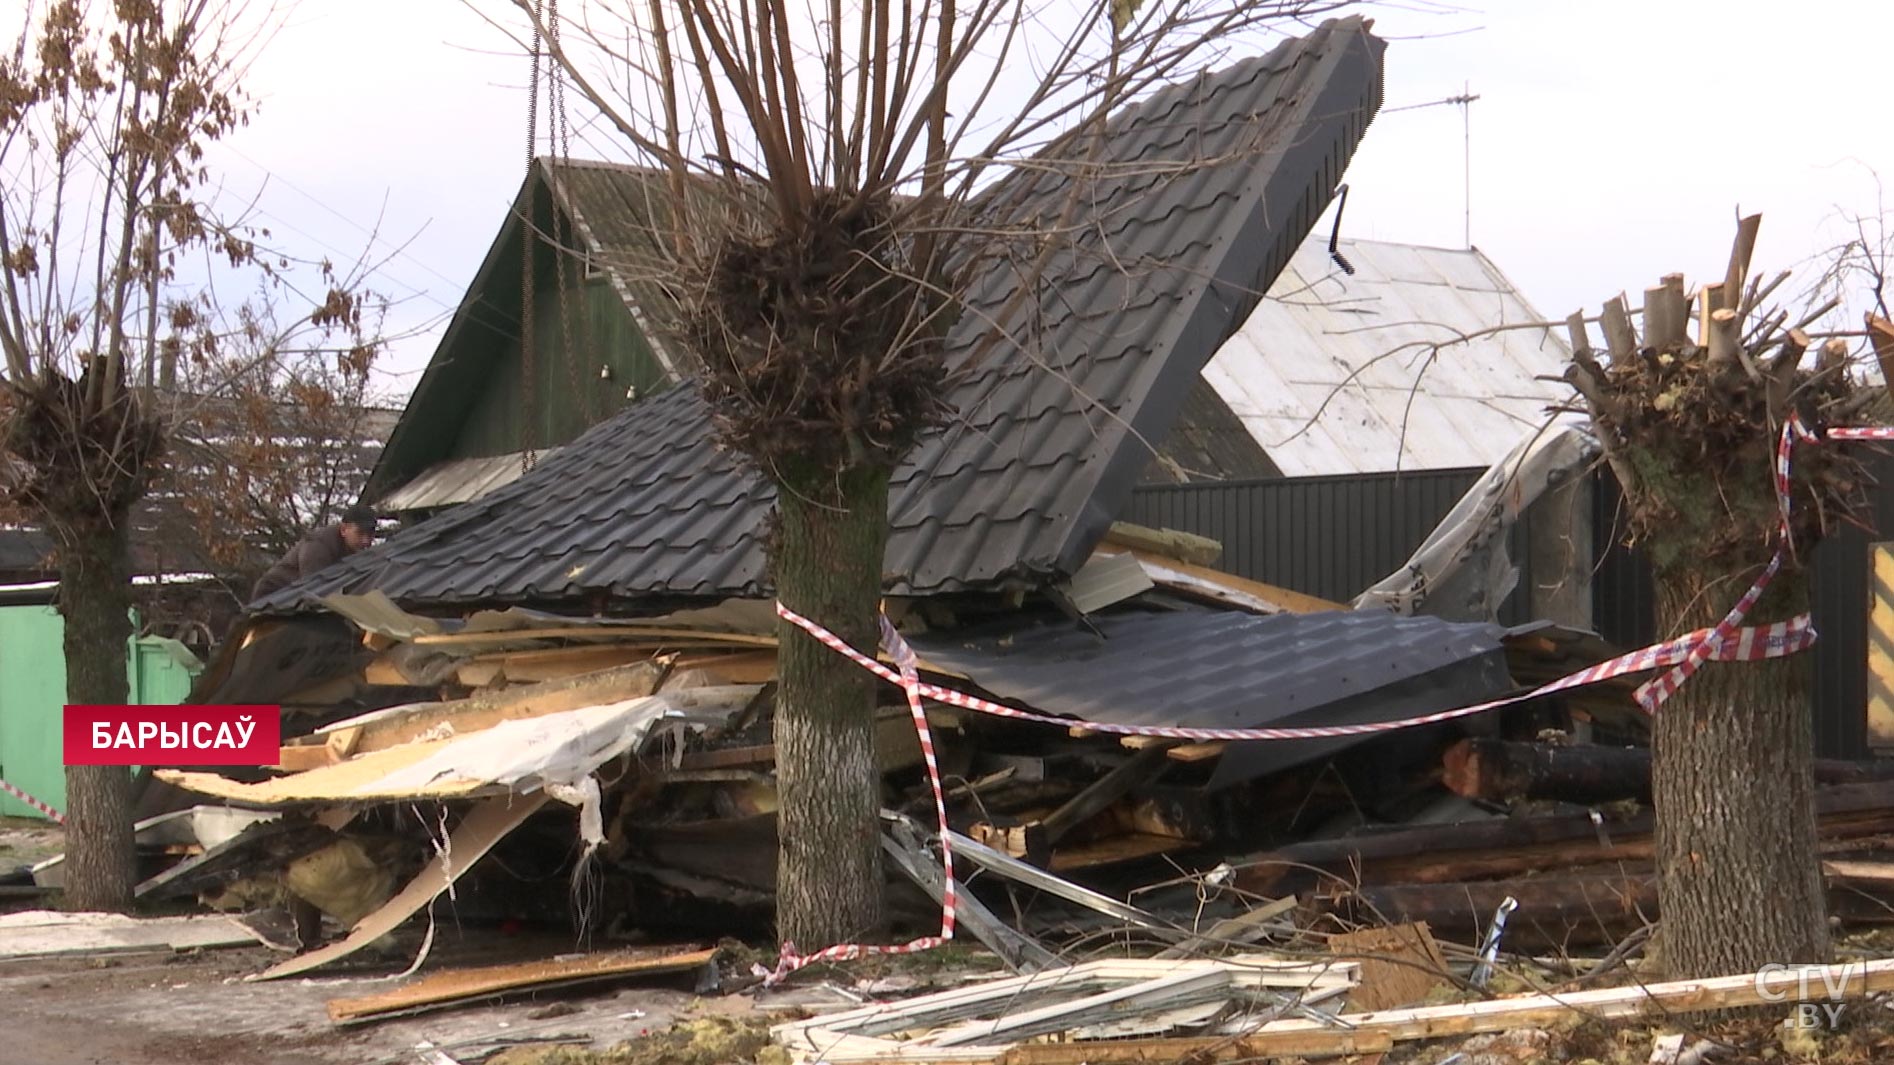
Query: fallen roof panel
{"x": 1048, "y": 443}
{"x": 1232, "y": 670}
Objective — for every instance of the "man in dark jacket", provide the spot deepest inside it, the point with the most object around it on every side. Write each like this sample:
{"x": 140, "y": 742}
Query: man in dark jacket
{"x": 324, "y": 547}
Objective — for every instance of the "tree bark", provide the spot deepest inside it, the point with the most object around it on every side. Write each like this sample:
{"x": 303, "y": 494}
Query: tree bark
{"x": 1732, "y": 755}
{"x": 827, "y": 553}
{"x": 95, "y": 598}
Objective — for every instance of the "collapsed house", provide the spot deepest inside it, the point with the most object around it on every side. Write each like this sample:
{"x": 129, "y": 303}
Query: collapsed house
{"x": 552, "y": 702}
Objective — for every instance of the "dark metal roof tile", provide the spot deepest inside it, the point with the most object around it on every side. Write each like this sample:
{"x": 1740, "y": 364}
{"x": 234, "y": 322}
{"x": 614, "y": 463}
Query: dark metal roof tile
{"x": 1050, "y": 440}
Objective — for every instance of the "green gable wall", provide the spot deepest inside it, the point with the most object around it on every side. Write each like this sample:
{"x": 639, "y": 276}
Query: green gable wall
{"x": 570, "y": 394}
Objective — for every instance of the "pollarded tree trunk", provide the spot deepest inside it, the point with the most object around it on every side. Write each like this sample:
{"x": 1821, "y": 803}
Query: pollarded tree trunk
{"x": 1731, "y": 776}
{"x": 95, "y": 598}
{"x": 830, "y": 540}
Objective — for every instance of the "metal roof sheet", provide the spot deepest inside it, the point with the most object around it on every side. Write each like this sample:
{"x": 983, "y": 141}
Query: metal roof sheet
{"x": 1048, "y": 442}
{"x": 1231, "y": 670}
{"x": 1335, "y": 374}
{"x": 457, "y": 481}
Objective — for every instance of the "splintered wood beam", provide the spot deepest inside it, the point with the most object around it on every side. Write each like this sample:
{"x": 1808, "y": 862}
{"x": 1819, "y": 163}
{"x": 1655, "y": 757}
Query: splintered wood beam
{"x": 1619, "y": 336}
{"x": 1141, "y": 768}
{"x": 1740, "y": 252}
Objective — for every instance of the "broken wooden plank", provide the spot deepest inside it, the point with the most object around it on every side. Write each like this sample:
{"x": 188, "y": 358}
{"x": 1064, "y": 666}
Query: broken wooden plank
{"x": 1138, "y": 770}
{"x": 1400, "y": 965}
{"x": 1193, "y": 1049}
{"x": 461, "y": 986}
{"x": 1215, "y": 586}
{"x": 1166, "y": 543}
{"x": 739, "y": 667}
{"x": 395, "y": 726}
{"x": 486, "y": 824}
{"x": 301, "y": 757}
{"x": 1131, "y": 846}
{"x": 594, "y": 632}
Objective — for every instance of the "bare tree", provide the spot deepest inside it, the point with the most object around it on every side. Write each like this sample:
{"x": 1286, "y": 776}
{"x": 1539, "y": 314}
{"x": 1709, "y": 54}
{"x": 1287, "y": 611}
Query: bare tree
{"x": 277, "y": 444}
{"x": 110, "y": 240}
{"x": 818, "y": 173}
{"x": 1690, "y": 416}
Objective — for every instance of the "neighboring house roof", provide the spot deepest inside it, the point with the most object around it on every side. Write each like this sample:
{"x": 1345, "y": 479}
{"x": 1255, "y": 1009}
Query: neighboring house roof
{"x": 1048, "y": 443}
{"x": 1335, "y": 374}
{"x": 609, "y": 207}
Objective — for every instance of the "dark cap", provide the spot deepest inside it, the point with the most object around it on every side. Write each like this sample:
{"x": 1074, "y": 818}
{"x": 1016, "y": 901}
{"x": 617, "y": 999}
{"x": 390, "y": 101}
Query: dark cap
{"x": 362, "y": 517}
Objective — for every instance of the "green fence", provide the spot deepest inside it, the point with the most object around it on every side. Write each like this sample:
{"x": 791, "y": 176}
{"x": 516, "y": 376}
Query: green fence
{"x": 33, "y": 693}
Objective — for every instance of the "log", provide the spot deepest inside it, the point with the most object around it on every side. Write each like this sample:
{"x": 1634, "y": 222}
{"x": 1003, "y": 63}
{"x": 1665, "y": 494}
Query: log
{"x": 1554, "y": 911}
{"x": 1580, "y": 908}
{"x": 1510, "y": 847}
{"x": 1509, "y": 770}
{"x": 1504, "y": 771}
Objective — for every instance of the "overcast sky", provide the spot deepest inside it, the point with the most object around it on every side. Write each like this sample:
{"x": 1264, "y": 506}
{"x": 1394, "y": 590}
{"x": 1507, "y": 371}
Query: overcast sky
{"x": 1612, "y": 140}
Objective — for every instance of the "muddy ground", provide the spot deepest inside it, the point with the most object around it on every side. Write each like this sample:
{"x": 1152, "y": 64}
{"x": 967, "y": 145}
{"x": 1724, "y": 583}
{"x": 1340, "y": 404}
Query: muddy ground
{"x": 196, "y": 1009}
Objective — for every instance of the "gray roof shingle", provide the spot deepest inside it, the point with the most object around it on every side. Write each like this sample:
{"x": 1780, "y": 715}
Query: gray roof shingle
{"x": 1049, "y": 438}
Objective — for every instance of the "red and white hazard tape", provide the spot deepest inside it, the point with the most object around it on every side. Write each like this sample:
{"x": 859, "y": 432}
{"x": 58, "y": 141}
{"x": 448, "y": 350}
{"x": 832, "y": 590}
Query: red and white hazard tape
{"x": 58, "y": 818}
{"x": 1728, "y": 641}
{"x": 1652, "y": 693}
{"x": 909, "y": 678}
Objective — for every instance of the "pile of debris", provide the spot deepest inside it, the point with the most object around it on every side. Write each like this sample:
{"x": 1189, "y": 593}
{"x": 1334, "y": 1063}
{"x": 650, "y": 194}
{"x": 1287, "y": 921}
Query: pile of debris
{"x": 612, "y": 777}
{"x": 413, "y": 739}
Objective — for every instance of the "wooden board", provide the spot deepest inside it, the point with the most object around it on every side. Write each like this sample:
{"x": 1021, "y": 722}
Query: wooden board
{"x": 595, "y": 632}
{"x": 1205, "y": 583}
{"x": 379, "y": 732}
{"x": 1192, "y": 1049}
{"x": 744, "y": 667}
{"x": 457, "y": 986}
{"x": 1399, "y": 965}
{"x": 484, "y": 825}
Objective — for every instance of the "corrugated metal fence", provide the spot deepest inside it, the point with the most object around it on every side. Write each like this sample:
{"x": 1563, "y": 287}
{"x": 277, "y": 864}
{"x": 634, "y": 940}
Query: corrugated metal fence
{"x": 1334, "y": 536}
{"x": 1326, "y": 536}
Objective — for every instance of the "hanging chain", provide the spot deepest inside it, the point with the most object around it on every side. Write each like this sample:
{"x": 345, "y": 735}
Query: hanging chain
{"x": 527, "y": 241}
